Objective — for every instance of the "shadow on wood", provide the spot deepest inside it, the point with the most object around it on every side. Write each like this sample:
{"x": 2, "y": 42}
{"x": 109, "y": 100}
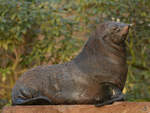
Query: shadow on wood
{"x": 118, "y": 107}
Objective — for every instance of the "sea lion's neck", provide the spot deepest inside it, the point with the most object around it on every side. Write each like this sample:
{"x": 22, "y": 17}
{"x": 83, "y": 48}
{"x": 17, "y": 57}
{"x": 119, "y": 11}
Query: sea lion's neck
{"x": 96, "y": 49}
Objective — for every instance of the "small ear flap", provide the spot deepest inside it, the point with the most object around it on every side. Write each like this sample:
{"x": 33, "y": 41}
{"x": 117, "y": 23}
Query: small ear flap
{"x": 100, "y": 28}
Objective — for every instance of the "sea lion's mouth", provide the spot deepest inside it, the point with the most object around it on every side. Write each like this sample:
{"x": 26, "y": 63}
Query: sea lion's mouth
{"x": 123, "y": 38}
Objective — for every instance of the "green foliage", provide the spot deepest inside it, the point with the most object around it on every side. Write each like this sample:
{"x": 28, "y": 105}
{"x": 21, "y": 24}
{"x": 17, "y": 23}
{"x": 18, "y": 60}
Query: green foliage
{"x": 31, "y": 34}
{"x": 36, "y": 32}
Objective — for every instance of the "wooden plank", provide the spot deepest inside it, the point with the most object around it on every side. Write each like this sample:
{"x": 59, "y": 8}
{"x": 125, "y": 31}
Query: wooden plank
{"x": 118, "y": 107}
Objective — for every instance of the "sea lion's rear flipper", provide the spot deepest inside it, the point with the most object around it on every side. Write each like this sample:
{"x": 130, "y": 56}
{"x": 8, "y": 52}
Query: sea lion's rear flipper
{"x": 33, "y": 101}
{"x": 22, "y": 95}
{"x": 110, "y": 94}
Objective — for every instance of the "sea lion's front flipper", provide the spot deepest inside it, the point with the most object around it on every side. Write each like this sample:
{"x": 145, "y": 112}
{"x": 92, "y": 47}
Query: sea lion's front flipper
{"x": 41, "y": 100}
{"x": 110, "y": 94}
{"x": 119, "y": 98}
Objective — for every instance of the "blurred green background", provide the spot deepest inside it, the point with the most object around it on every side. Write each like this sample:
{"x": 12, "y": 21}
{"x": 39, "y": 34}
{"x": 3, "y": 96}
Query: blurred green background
{"x": 38, "y": 32}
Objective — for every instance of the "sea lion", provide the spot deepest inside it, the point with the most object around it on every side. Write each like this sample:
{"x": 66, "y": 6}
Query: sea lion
{"x": 96, "y": 76}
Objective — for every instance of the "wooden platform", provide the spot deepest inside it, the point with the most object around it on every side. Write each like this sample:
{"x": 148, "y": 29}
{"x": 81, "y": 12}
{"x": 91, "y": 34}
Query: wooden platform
{"x": 118, "y": 107}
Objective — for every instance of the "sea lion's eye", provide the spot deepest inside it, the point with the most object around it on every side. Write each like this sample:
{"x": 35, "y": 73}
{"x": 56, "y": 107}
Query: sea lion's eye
{"x": 114, "y": 27}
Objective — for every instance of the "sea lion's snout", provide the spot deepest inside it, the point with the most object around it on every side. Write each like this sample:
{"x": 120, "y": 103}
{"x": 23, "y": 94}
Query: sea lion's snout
{"x": 124, "y": 30}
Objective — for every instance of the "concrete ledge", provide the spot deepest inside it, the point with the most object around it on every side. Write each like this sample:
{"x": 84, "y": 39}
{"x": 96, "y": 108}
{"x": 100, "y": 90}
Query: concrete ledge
{"x": 118, "y": 107}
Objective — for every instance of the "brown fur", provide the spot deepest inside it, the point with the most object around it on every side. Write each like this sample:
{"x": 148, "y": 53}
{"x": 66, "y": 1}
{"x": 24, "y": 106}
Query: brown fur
{"x": 90, "y": 78}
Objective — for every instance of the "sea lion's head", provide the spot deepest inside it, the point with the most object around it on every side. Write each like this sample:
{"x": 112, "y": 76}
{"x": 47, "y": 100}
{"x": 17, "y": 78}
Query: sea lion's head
{"x": 115, "y": 32}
